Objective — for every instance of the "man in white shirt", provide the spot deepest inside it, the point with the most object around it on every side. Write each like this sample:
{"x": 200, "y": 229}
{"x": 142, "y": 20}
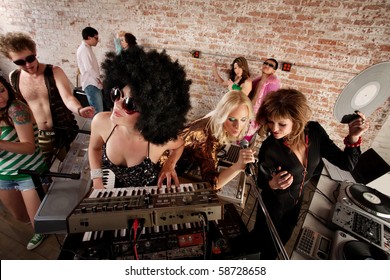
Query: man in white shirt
{"x": 89, "y": 69}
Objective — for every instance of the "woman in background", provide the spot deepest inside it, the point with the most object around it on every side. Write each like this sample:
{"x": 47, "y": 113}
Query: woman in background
{"x": 123, "y": 41}
{"x": 19, "y": 150}
{"x": 239, "y": 77}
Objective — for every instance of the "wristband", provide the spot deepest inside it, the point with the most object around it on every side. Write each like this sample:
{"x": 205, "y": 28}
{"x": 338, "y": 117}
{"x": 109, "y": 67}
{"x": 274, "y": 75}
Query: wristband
{"x": 96, "y": 173}
{"x": 354, "y": 145}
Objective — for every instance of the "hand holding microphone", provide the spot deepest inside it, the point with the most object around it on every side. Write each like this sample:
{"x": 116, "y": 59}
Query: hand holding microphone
{"x": 247, "y": 158}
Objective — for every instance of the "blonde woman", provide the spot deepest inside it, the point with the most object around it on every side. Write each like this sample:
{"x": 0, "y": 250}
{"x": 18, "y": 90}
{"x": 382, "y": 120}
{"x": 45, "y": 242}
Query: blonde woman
{"x": 205, "y": 137}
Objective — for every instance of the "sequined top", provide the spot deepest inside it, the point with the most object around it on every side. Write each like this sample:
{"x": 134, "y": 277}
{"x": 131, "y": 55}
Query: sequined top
{"x": 236, "y": 87}
{"x": 143, "y": 174}
{"x": 201, "y": 149}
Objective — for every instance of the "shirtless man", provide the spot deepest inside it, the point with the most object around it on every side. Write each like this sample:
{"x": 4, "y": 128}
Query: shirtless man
{"x": 47, "y": 91}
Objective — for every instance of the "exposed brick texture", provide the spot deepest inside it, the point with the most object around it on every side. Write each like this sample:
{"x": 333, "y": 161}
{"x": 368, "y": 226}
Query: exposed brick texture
{"x": 328, "y": 42}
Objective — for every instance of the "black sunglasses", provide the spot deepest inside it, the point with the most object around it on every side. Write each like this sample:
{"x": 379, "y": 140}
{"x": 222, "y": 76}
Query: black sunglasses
{"x": 29, "y": 59}
{"x": 128, "y": 103}
{"x": 269, "y": 64}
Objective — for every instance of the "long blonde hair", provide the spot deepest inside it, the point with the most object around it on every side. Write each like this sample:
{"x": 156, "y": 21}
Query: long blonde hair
{"x": 229, "y": 102}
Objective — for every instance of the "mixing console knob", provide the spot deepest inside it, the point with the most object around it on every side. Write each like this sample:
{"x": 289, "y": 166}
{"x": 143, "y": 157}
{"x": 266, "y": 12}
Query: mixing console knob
{"x": 148, "y": 198}
{"x": 187, "y": 199}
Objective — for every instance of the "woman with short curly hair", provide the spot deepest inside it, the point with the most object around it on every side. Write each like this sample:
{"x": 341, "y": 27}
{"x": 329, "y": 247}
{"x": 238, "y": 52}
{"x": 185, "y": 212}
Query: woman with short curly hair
{"x": 289, "y": 158}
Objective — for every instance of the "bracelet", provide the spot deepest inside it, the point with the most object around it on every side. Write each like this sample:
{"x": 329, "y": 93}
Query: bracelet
{"x": 78, "y": 110}
{"x": 354, "y": 145}
{"x": 96, "y": 173}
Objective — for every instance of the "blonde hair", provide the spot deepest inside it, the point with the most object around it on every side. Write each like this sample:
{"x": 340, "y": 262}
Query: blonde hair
{"x": 286, "y": 104}
{"x": 229, "y": 102}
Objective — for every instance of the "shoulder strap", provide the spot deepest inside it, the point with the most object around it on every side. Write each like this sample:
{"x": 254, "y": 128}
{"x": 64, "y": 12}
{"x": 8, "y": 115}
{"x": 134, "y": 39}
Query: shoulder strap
{"x": 15, "y": 79}
{"x": 49, "y": 79}
{"x": 15, "y": 76}
{"x": 112, "y": 131}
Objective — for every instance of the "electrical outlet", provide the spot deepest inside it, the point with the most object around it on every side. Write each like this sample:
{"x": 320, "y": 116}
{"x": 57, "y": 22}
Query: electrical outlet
{"x": 286, "y": 66}
{"x": 195, "y": 53}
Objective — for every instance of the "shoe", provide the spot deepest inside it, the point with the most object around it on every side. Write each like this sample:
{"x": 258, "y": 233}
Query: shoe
{"x": 35, "y": 241}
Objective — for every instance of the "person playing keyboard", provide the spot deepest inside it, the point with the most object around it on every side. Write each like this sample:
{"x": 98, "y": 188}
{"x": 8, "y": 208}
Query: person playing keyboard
{"x": 205, "y": 137}
{"x": 151, "y": 99}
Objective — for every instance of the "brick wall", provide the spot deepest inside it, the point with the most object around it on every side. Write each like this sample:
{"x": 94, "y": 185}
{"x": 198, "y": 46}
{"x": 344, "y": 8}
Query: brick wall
{"x": 328, "y": 42}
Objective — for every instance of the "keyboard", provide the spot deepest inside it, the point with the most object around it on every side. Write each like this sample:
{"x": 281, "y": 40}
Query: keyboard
{"x": 234, "y": 191}
{"x": 231, "y": 156}
{"x": 110, "y": 209}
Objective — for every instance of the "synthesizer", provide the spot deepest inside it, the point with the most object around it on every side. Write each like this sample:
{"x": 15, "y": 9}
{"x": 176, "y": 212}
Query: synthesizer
{"x": 111, "y": 209}
{"x": 235, "y": 190}
{"x": 64, "y": 194}
{"x": 182, "y": 241}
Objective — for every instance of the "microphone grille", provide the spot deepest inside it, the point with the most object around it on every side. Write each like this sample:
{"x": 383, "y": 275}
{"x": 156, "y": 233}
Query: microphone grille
{"x": 244, "y": 144}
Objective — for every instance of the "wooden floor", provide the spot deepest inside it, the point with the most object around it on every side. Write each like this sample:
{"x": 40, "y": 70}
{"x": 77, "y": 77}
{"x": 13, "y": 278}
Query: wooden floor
{"x": 14, "y": 235}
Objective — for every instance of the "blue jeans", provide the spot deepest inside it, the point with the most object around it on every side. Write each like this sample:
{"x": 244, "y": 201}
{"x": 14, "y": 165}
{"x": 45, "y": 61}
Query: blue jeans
{"x": 95, "y": 98}
{"x": 20, "y": 185}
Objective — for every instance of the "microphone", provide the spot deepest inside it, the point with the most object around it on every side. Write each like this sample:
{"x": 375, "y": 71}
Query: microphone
{"x": 250, "y": 167}
{"x": 244, "y": 144}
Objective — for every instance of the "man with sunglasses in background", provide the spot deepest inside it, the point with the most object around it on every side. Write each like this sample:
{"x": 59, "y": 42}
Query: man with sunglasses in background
{"x": 261, "y": 86}
{"x": 89, "y": 68}
{"x": 47, "y": 91}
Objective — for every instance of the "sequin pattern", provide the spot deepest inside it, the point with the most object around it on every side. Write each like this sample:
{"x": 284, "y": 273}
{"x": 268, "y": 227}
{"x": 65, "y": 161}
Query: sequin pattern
{"x": 143, "y": 174}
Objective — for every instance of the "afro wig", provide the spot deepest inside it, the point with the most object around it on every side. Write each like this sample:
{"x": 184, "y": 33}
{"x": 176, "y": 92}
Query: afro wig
{"x": 159, "y": 88}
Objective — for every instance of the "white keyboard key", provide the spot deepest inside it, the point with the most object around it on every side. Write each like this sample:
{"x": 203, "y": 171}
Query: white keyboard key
{"x": 87, "y": 236}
